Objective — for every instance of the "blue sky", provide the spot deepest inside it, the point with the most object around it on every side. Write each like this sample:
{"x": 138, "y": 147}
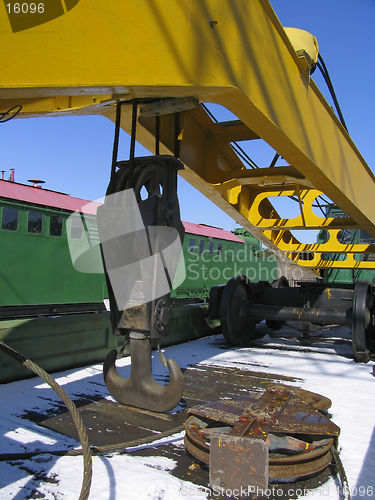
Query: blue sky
{"x": 73, "y": 154}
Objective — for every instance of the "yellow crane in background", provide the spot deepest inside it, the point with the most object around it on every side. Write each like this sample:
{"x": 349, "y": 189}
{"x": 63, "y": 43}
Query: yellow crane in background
{"x": 81, "y": 57}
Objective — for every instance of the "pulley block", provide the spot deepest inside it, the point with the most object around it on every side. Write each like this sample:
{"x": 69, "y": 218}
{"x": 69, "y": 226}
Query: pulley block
{"x": 141, "y": 237}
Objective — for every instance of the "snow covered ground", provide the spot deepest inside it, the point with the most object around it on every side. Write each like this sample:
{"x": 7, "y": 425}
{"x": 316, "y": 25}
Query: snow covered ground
{"x": 322, "y": 364}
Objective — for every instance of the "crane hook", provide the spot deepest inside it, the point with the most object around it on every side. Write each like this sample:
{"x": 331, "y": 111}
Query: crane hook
{"x": 140, "y": 389}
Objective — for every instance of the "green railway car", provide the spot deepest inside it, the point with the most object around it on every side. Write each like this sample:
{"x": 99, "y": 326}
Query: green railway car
{"x": 36, "y": 272}
{"x": 56, "y": 315}
{"x": 38, "y": 277}
{"x": 212, "y": 256}
{"x": 349, "y": 237}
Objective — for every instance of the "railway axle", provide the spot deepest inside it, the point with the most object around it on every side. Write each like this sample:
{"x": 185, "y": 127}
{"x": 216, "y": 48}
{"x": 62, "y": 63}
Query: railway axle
{"x": 319, "y": 316}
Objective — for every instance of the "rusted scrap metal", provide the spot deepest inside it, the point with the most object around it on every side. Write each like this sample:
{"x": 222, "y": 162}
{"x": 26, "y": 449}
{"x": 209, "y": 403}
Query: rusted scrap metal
{"x": 317, "y": 401}
{"x": 231, "y": 459}
{"x": 244, "y": 448}
{"x": 271, "y": 435}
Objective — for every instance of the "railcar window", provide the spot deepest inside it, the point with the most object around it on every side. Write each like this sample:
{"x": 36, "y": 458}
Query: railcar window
{"x": 191, "y": 245}
{"x": 76, "y": 229}
{"x": 229, "y": 253}
{"x": 364, "y": 237}
{"x": 55, "y": 225}
{"x": 211, "y": 247}
{"x": 202, "y": 244}
{"x": 35, "y": 222}
{"x": 93, "y": 234}
{"x": 219, "y": 248}
{"x": 10, "y": 219}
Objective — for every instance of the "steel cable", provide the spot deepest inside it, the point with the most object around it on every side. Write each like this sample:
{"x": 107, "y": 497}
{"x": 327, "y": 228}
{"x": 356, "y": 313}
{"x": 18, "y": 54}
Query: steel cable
{"x": 82, "y": 432}
{"x": 5, "y": 117}
{"x": 323, "y": 69}
{"x": 341, "y": 472}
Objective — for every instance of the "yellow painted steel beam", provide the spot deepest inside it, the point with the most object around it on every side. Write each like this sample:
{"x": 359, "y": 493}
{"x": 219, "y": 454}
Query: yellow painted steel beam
{"x": 89, "y": 55}
{"x": 286, "y": 242}
{"x": 325, "y": 261}
{"x": 248, "y": 193}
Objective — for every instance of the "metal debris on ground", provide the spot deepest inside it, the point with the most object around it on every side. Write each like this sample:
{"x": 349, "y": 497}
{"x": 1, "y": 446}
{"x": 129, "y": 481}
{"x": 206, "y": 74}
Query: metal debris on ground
{"x": 278, "y": 434}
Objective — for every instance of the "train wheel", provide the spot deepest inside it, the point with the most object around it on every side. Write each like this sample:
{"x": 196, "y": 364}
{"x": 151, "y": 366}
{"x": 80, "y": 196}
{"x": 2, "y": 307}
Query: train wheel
{"x": 370, "y": 332}
{"x": 361, "y": 322}
{"x": 236, "y": 328}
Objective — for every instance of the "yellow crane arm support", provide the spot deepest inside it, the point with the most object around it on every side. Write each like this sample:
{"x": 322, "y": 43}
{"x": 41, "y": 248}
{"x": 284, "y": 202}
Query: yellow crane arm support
{"x": 89, "y": 55}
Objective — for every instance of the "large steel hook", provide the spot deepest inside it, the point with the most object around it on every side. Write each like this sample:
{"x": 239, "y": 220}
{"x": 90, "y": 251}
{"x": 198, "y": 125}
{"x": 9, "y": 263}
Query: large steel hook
{"x": 140, "y": 389}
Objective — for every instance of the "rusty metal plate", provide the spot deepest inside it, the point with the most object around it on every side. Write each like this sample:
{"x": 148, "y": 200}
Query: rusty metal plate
{"x": 226, "y": 412}
{"x": 298, "y": 417}
{"x": 238, "y": 463}
{"x": 110, "y": 423}
{"x": 136, "y": 318}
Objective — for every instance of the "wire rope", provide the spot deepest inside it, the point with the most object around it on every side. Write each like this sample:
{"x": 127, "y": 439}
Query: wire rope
{"x": 82, "y": 432}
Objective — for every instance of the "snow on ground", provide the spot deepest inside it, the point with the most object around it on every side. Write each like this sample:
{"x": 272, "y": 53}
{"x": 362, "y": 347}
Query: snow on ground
{"x": 321, "y": 364}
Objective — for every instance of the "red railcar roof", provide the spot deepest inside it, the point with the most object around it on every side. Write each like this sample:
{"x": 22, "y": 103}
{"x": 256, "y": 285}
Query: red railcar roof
{"x": 44, "y": 197}
{"x": 47, "y": 198}
{"x": 210, "y": 232}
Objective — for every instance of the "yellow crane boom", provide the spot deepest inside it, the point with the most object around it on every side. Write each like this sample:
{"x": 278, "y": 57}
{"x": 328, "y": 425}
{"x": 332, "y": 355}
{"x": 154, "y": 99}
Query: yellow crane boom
{"x": 83, "y": 57}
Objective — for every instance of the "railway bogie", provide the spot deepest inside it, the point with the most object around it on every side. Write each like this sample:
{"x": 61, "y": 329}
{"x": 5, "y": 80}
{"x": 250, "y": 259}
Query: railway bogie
{"x": 240, "y": 305}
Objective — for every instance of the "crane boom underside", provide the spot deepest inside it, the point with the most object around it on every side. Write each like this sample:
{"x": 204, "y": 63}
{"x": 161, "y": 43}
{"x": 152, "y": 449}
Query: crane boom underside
{"x": 235, "y": 54}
